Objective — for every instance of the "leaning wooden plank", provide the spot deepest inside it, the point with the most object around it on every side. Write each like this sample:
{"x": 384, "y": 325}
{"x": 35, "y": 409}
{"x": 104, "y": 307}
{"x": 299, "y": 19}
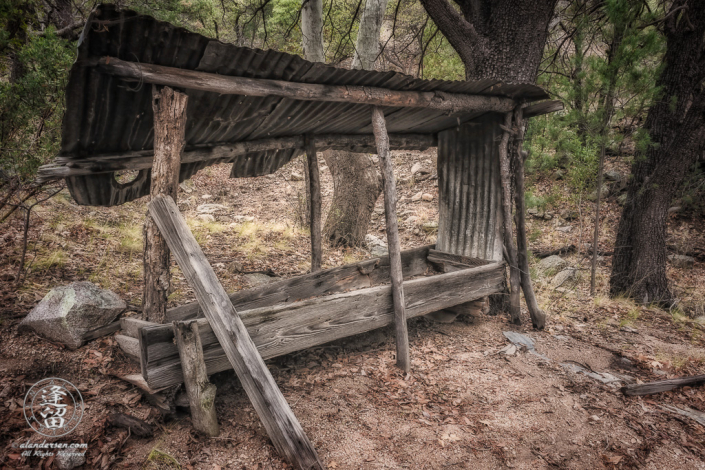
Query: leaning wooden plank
{"x": 314, "y": 182}
{"x": 282, "y": 329}
{"x": 106, "y": 330}
{"x": 379, "y": 127}
{"x": 662, "y": 385}
{"x": 131, "y": 325}
{"x": 65, "y": 166}
{"x": 130, "y": 346}
{"x": 228, "y": 85}
{"x": 352, "y": 276}
{"x": 201, "y": 393}
{"x": 282, "y": 426}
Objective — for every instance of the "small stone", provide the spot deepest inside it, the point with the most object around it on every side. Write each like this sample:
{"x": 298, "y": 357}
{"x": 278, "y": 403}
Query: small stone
{"x": 296, "y": 176}
{"x": 418, "y": 168}
{"x": 205, "y": 218}
{"x": 613, "y": 175}
{"x": 417, "y": 231}
{"x": 257, "y": 279}
{"x": 605, "y": 192}
{"x": 412, "y": 220}
{"x": 532, "y": 211}
{"x": 681, "y": 261}
{"x": 558, "y": 175}
{"x": 417, "y": 197}
{"x": 547, "y": 216}
{"x": 628, "y": 329}
{"x": 235, "y": 267}
{"x": 566, "y": 228}
{"x": 206, "y": 196}
{"x": 674, "y": 209}
{"x": 568, "y": 274}
{"x": 427, "y": 197}
{"x": 569, "y": 215}
{"x": 376, "y": 245}
{"x": 185, "y": 188}
{"x": 622, "y": 199}
{"x": 430, "y": 227}
{"x": 553, "y": 262}
{"x": 67, "y": 313}
{"x": 248, "y": 218}
{"x": 69, "y": 459}
{"x": 210, "y": 208}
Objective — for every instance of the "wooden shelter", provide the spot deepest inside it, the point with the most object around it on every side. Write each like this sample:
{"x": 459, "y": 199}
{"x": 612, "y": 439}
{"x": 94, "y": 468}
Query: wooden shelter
{"x": 144, "y": 95}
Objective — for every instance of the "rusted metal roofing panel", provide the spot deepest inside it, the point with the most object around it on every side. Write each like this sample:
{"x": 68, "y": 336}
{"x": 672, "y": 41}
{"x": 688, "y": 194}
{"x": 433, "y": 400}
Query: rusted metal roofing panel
{"x": 107, "y": 115}
{"x": 469, "y": 190}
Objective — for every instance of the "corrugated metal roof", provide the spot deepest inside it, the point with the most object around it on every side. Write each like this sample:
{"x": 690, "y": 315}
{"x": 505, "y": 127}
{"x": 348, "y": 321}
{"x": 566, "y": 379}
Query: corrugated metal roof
{"x": 107, "y": 115}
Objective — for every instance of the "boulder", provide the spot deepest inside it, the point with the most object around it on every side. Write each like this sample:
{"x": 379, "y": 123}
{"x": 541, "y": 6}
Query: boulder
{"x": 205, "y": 218}
{"x": 681, "y": 261}
{"x": 613, "y": 175}
{"x": 427, "y": 197}
{"x": 605, "y": 192}
{"x": 296, "y": 176}
{"x": 257, "y": 279}
{"x": 67, "y": 313}
{"x": 568, "y": 274}
{"x": 565, "y": 228}
{"x": 418, "y": 168}
{"x": 567, "y": 214}
{"x": 553, "y": 262}
{"x": 417, "y": 197}
{"x": 376, "y": 245}
{"x": 430, "y": 227}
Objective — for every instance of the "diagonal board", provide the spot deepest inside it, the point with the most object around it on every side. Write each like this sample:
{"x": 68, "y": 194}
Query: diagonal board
{"x": 282, "y": 426}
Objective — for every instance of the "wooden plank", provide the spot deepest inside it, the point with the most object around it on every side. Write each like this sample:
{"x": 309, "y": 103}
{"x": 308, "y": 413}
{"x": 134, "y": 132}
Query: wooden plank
{"x": 285, "y": 328}
{"x": 544, "y": 107}
{"x": 65, "y": 166}
{"x": 282, "y": 426}
{"x": 379, "y": 127}
{"x": 343, "y": 278}
{"x": 449, "y": 262}
{"x": 314, "y": 181}
{"x": 228, "y": 85}
{"x": 130, "y": 326}
{"x": 201, "y": 393}
{"x": 130, "y": 346}
{"x": 106, "y": 330}
{"x": 659, "y": 386}
{"x": 169, "y": 108}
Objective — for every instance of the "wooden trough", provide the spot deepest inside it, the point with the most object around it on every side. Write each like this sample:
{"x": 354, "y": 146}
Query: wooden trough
{"x": 314, "y": 309}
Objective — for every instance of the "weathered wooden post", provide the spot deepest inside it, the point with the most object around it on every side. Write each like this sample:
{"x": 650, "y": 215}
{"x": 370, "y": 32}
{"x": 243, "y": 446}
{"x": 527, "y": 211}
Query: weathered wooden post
{"x": 514, "y": 275}
{"x": 379, "y": 128}
{"x": 314, "y": 182}
{"x": 169, "y": 128}
{"x": 201, "y": 393}
{"x": 282, "y": 426}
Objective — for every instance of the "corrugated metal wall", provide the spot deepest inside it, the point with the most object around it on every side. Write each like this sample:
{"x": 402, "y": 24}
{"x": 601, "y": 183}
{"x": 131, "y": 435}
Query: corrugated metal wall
{"x": 470, "y": 212}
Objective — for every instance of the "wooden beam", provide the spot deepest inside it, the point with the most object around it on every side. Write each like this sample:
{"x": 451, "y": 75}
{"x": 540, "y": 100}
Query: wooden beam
{"x": 169, "y": 108}
{"x": 201, "y": 393}
{"x": 285, "y": 328}
{"x": 65, "y": 166}
{"x": 544, "y": 107}
{"x": 282, "y": 426}
{"x": 366, "y": 273}
{"x": 314, "y": 181}
{"x": 390, "y": 210}
{"x": 659, "y": 386}
{"x": 228, "y": 85}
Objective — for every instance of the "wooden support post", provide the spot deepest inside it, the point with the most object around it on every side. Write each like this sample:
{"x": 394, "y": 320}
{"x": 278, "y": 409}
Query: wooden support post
{"x": 201, "y": 393}
{"x": 169, "y": 127}
{"x": 379, "y": 127}
{"x": 314, "y": 182}
{"x": 282, "y": 426}
{"x": 538, "y": 317}
{"x": 511, "y": 251}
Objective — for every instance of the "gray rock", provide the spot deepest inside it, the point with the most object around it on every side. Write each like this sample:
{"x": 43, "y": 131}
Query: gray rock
{"x": 547, "y": 216}
{"x": 296, "y": 176}
{"x": 376, "y": 245}
{"x": 418, "y": 168}
{"x": 413, "y": 220}
{"x": 532, "y": 211}
{"x": 622, "y": 199}
{"x": 210, "y": 208}
{"x": 417, "y": 197}
{"x": 558, "y": 175}
{"x": 674, "y": 209}
{"x": 430, "y": 227}
{"x": 605, "y": 192}
{"x": 206, "y": 217}
{"x": 553, "y": 262}
{"x": 565, "y": 229}
{"x": 568, "y": 274}
{"x": 613, "y": 175}
{"x": 567, "y": 214}
{"x": 69, "y": 459}
{"x": 681, "y": 261}
{"x": 257, "y": 279}
{"x": 67, "y": 313}
{"x": 427, "y": 197}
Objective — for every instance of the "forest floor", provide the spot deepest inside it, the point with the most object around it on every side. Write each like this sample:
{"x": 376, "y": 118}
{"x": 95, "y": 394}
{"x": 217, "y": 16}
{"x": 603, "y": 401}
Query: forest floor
{"x": 464, "y": 405}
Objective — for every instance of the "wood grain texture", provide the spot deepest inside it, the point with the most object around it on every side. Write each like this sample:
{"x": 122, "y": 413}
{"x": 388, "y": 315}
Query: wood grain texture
{"x": 366, "y": 273}
{"x": 130, "y": 346}
{"x": 314, "y": 181}
{"x": 659, "y": 386}
{"x": 390, "y": 210}
{"x": 228, "y": 85}
{"x": 169, "y": 108}
{"x": 201, "y": 393}
{"x": 285, "y": 328}
{"x": 66, "y": 166}
{"x": 282, "y": 426}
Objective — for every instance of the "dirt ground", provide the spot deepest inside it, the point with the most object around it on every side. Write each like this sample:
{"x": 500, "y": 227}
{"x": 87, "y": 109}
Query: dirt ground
{"x": 464, "y": 405}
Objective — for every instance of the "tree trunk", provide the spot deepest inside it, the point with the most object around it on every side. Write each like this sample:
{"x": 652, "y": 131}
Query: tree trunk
{"x": 356, "y": 182}
{"x": 676, "y": 125}
{"x": 356, "y": 186}
{"x": 169, "y": 126}
{"x": 312, "y": 30}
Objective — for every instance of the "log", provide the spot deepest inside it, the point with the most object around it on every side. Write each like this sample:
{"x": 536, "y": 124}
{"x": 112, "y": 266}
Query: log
{"x": 659, "y": 386}
{"x": 449, "y": 262}
{"x": 314, "y": 182}
{"x": 106, "y": 330}
{"x": 201, "y": 393}
{"x": 538, "y": 317}
{"x": 68, "y": 165}
{"x": 285, "y": 328}
{"x": 544, "y": 107}
{"x": 282, "y": 426}
{"x": 351, "y": 276}
{"x": 564, "y": 250}
{"x": 136, "y": 426}
{"x": 379, "y": 127}
{"x": 131, "y": 325}
{"x": 169, "y": 108}
{"x": 228, "y": 85}
{"x": 514, "y": 275}
{"x": 130, "y": 346}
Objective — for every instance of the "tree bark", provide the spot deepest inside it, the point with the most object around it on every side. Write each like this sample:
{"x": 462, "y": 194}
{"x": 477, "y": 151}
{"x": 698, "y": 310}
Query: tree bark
{"x": 676, "y": 126}
{"x": 169, "y": 126}
{"x": 312, "y": 30}
{"x": 390, "y": 210}
{"x": 367, "y": 46}
{"x": 201, "y": 393}
{"x": 314, "y": 184}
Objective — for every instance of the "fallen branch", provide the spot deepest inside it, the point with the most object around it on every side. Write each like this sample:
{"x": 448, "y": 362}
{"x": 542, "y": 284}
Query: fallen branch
{"x": 564, "y": 250}
{"x": 662, "y": 385}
